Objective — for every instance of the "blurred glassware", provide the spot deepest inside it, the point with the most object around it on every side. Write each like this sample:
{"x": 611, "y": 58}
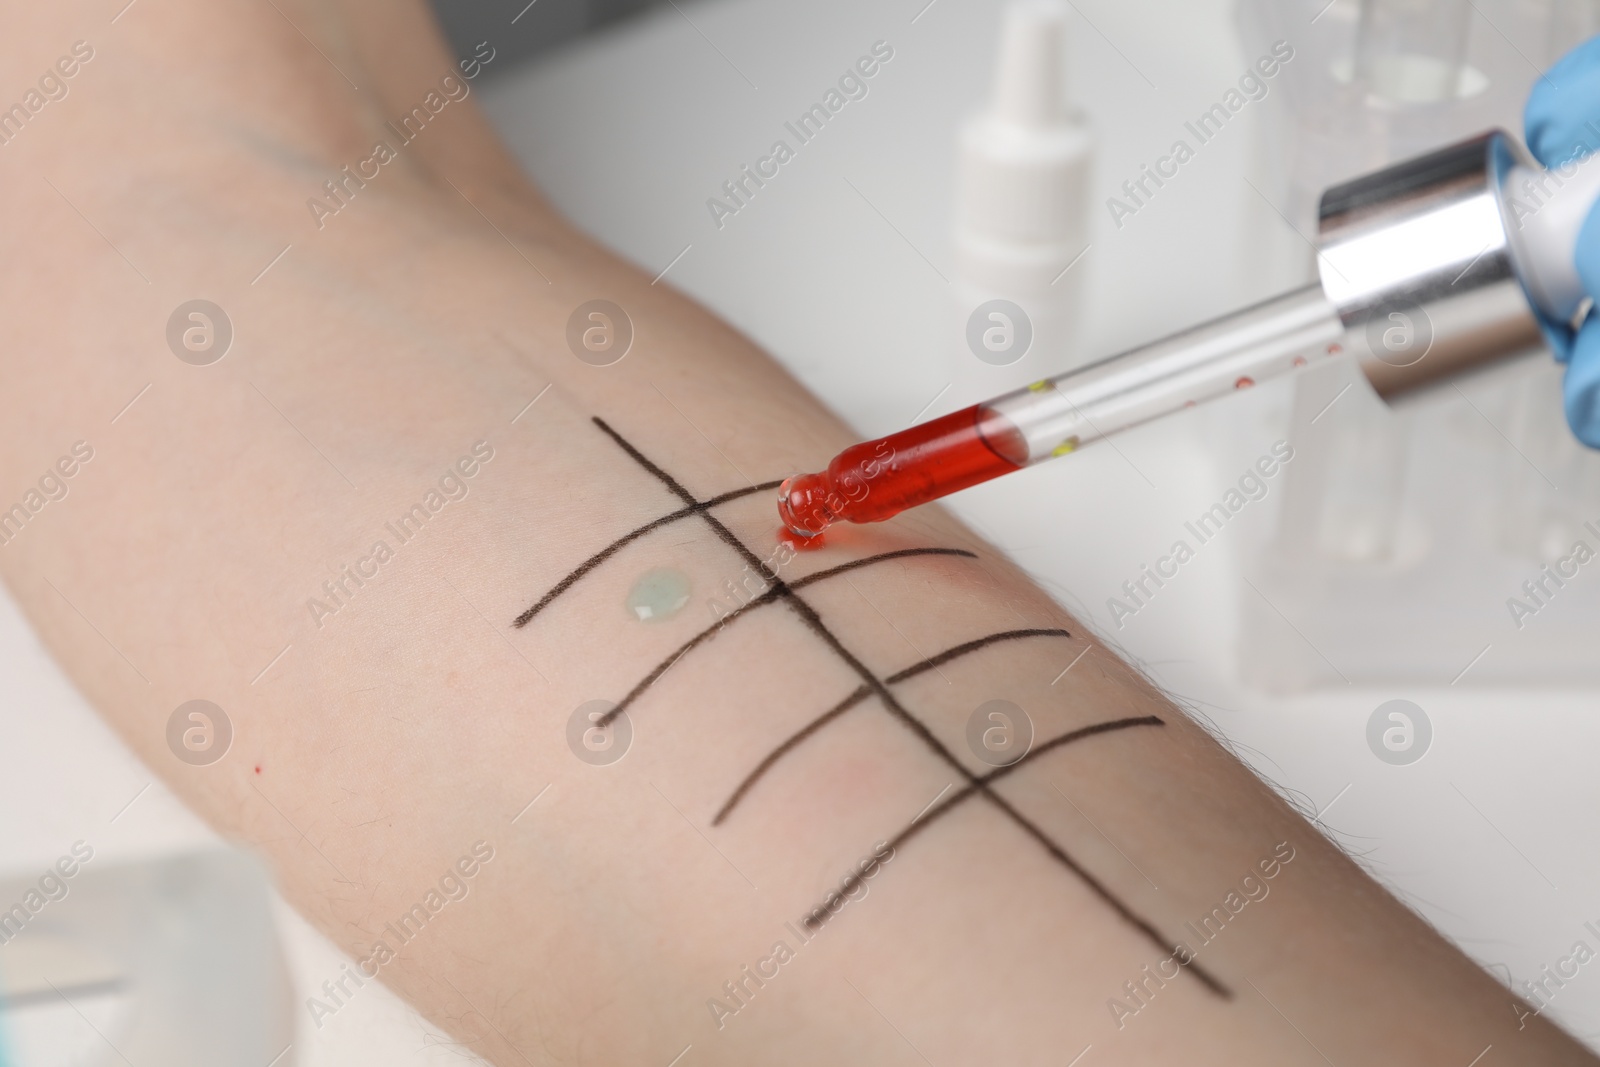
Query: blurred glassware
{"x": 174, "y": 962}
{"x": 1411, "y": 51}
{"x": 1402, "y": 531}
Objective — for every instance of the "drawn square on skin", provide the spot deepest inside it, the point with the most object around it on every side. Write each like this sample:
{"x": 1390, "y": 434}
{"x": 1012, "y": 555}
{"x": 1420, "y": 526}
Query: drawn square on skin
{"x": 872, "y": 688}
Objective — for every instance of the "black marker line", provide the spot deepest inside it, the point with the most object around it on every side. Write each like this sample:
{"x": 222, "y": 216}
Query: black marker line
{"x": 628, "y": 538}
{"x": 939, "y": 659}
{"x": 861, "y": 693}
{"x": 899, "y": 553}
{"x": 817, "y": 917}
{"x": 767, "y": 597}
{"x": 813, "y": 622}
{"x": 1067, "y": 738}
{"x": 922, "y": 821}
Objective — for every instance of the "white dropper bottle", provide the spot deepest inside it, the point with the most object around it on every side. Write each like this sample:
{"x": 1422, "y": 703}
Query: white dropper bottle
{"x": 1021, "y": 219}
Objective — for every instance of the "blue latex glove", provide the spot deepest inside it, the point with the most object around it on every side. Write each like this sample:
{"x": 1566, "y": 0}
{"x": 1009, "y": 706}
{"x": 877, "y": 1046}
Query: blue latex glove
{"x": 1563, "y": 123}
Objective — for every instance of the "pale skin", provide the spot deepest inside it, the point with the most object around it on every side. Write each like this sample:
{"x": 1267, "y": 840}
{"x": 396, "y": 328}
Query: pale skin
{"x": 416, "y": 720}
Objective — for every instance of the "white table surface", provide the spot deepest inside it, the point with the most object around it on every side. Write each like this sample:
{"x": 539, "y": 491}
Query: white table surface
{"x": 1491, "y": 836}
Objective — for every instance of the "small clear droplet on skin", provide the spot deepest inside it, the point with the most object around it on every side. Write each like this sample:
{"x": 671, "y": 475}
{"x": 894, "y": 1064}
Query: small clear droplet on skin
{"x": 658, "y": 594}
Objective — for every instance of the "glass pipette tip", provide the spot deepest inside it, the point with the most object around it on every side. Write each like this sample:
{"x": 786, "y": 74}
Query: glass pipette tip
{"x": 878, "y": 479}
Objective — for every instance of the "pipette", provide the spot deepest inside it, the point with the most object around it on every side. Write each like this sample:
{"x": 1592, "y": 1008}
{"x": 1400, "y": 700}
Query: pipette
{"x": 1428, "y": 269}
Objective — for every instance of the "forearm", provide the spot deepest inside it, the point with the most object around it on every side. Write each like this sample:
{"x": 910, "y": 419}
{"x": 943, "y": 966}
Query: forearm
{"x": 390, "y": 712}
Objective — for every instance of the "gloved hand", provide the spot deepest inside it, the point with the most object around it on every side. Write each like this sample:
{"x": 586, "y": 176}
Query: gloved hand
{"x": 1562, "y": 121}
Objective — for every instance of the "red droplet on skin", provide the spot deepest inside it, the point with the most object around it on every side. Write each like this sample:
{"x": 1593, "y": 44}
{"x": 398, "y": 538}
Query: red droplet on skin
{"x": 798, "y": 543}
{"x": 1244, "y": 383}
{"x": 258, "y": 768}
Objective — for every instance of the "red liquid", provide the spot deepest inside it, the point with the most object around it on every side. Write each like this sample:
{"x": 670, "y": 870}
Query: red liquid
{"x": 876, "y": 480}
{"x": 798, "y": 543}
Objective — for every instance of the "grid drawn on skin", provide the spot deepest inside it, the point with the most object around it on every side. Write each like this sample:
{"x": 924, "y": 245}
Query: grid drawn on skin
{"x": 975, "y": 785}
